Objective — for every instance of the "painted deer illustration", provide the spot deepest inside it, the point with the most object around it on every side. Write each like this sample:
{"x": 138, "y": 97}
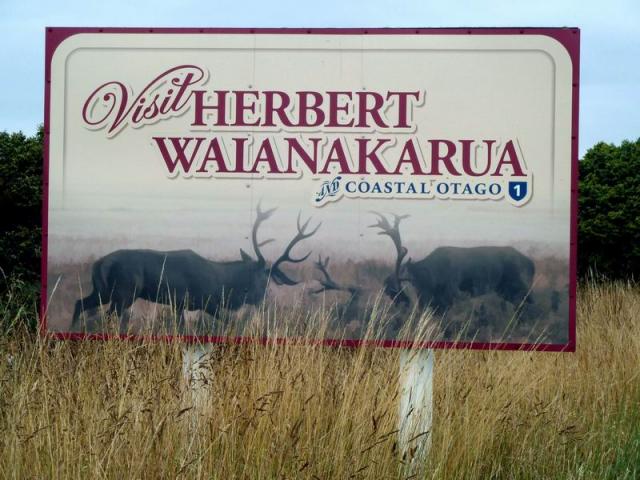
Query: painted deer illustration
{"x": 347, "y": 310}
{"x": 356, "y": 310}
{"x": 186, "y": 280}
{"x": 448, "y": 273}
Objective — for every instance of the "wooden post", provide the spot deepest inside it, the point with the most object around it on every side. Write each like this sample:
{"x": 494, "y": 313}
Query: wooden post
{"x": 416, "y": 402}
{"x": 195, "y": 375}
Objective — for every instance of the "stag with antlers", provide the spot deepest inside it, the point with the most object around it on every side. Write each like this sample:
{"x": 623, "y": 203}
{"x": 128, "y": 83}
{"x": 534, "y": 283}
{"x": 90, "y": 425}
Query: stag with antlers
{"x": 393, "y": 283}
{"x": 449, "y": 273}
{"x": 186, "y": 280}
{"x": 350, "y": 310}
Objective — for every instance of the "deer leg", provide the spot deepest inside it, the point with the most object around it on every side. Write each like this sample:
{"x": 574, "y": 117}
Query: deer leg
{"x": 84, "y": 305}
{"x": 185, "y": 322}
{"x": 515, "y": 292}
{"x": 121, "y": 308}
{"x": 203, "y": 321}
{"x": 200, "y": 322}
{"x": 181, "y": 322}
{"x": 124, "y": 320}
{"x": 182, "y": 309}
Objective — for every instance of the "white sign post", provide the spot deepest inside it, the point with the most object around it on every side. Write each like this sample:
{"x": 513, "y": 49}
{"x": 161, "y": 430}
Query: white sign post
{"x": 195, "y": 375}
{"x": 415, "y": 409}
{"x": 415, "y": 412}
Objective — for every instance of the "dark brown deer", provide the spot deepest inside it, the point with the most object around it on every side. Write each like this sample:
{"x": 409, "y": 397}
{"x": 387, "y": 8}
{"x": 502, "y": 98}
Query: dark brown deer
{"x": 351, "y": 308}
{"x": 449, "y": 273}
{"x": 186, "y": 280}
{"x": 356, "y": 311}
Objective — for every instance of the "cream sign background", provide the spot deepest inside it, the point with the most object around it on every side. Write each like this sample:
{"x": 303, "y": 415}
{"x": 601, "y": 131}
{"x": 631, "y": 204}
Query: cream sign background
{"x": 464, "y": 99}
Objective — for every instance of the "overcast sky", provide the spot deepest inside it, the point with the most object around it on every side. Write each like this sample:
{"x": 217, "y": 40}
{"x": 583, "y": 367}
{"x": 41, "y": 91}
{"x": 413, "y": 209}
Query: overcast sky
{"x": 610, "y": 76}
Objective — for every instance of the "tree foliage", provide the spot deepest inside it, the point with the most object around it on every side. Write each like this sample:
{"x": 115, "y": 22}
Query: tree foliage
{"x": 609, "y": 211}
{"x": 20, "y": 203}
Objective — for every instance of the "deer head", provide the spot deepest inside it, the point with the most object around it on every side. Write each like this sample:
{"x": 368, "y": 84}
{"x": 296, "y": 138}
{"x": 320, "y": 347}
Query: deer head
{"x": 274, "y": 270}
{"x": 327, "y": 283}
{"x": 393, "y": 283}
{"x": 350, "y": 311}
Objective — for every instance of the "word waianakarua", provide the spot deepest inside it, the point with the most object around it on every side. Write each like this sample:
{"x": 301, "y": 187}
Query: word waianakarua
{"x": 319, "y": 122}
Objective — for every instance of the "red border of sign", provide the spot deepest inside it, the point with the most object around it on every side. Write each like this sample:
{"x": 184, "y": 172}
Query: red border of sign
{"x": 567, "y": 37}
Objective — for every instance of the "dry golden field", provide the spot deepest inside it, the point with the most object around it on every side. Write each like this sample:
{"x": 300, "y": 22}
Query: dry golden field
{"x": 121, "y": 409}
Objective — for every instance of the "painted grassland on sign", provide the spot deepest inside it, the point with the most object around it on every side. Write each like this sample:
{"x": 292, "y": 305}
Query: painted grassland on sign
{"x": 419, "y": 185}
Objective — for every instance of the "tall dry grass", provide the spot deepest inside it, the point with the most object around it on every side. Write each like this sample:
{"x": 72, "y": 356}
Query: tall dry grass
{"x": 121, "y": 409}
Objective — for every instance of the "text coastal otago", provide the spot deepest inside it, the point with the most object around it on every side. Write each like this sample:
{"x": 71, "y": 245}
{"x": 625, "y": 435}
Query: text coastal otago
{"x": 355, "y": 143}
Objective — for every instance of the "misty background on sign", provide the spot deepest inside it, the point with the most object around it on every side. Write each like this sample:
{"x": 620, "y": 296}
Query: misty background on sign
{"x": 359, "y": 256}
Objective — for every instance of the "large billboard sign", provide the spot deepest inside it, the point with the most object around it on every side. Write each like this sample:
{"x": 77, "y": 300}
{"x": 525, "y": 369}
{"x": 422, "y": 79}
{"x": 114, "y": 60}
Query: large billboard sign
{"x": 372, "y": 181}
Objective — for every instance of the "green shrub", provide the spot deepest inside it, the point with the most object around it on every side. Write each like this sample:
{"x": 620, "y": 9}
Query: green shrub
{"x": 609, "y": 211}
{"x": 21, "y": 204}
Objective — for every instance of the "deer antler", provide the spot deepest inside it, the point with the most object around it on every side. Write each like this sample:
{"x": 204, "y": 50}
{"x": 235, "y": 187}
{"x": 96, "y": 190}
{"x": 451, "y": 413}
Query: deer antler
{"x": 393, "y": 232}
{"x": 327, "y": 283}
{"x": 277, "y": 274}
{"x": 261, "y": 216}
